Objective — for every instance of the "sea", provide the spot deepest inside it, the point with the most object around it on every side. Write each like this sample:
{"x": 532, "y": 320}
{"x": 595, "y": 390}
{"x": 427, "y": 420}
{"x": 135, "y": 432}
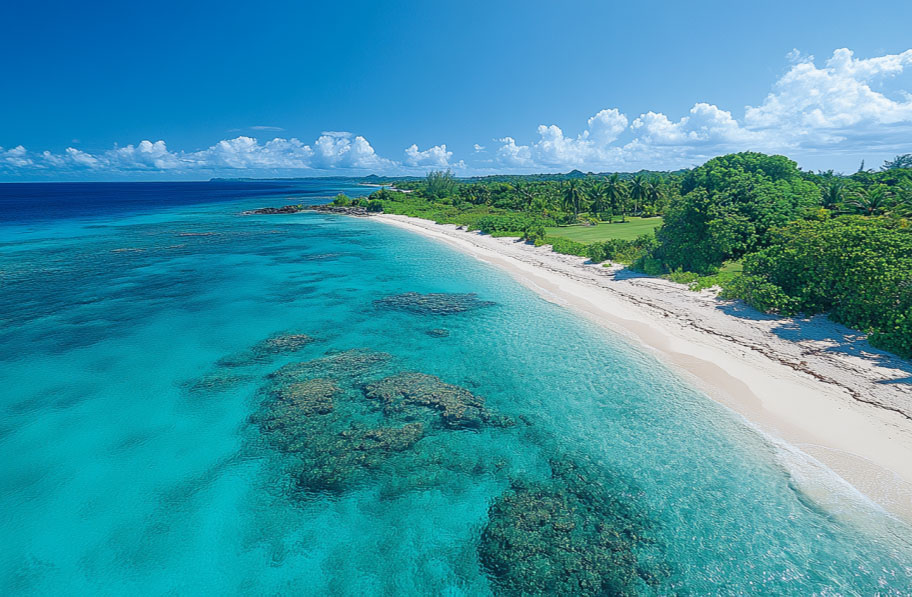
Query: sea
{"x": 195, "y": 401}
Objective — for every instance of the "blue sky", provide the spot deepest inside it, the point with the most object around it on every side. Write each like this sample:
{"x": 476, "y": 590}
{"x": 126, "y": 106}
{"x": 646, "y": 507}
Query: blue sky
{"x": 189, "y": 90}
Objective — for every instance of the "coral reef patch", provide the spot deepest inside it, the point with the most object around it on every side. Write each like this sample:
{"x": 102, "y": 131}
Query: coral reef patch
{"x": 574, "y": 534}
{"x": 265, "y": 350}
{"x": 422, "y": 397}
{"x": 433, "y": 303}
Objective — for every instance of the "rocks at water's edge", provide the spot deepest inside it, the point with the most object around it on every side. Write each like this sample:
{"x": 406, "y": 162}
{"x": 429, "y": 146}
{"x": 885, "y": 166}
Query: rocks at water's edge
{"x": 293, "y": 209}
{"x": 269, "y": 211}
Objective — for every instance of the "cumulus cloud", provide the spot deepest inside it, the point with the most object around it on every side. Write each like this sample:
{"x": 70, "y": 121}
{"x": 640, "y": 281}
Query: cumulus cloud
{"x": 436, "y": 157}
{"x": 848, "y": 105}
{"x": 16, "y": 157}
{"x": 554, "y": 148}
{"x": 331, "y": 150}
{"x": 838, "y": 107}
{"x": 837, "y": 96}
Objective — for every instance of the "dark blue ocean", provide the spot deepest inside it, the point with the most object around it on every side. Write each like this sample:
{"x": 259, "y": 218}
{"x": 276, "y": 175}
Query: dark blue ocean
{"x": 145, "y": 447}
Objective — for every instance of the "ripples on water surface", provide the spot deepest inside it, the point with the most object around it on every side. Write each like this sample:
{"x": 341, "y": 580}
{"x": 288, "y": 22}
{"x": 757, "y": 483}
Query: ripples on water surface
{"x": 135, "y": 457}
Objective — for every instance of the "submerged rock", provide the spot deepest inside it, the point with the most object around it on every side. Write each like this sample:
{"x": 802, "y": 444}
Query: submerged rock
{"x": 340, "y": 429}
{"x": 283, "y": 343}
{"x": 438, "y": 333}
{"x": 575, "y": 534}
{"x": 265, "y": 350}
{"x": 433, "y": 303}
{"x": 346, "y": 364}
{"x": 417, "y": 396}
{"x": 216, "y": 382}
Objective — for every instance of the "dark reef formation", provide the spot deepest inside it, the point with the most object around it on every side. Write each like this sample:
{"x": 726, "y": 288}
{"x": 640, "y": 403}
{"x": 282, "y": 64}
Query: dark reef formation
{"x": 421, "y": 397}
{"x": 574, "y": 534}
{"x": 347, "y": 364}
{"x": 269, "y": 211}
{"x": 293, "y": 209}
{"x": 433, "y": 303}
{"x": 265, "y": 350}
{"x": 342, "y": 423}
{"x": 351, "y": 419}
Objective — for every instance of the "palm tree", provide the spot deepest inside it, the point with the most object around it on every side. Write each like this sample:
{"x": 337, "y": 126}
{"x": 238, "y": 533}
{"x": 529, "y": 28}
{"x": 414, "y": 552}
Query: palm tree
{"x": 573, "y": 198}
{"x": 616, "y": 192}
{"x": 833, "y": 195}
{"x": 903, "y": 205}
{"x": 525, "y": 195}
{"x": 598, "y": 199}
{"x": 638, "y": 191}
{"x": 871, "y": 201}
{"x": 655, "y": 193}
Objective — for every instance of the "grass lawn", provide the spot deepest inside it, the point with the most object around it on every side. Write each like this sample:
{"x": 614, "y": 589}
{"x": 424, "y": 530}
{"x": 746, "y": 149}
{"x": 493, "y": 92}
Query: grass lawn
{"x": 732, "y": 267}
{"x": 590, "y": 234}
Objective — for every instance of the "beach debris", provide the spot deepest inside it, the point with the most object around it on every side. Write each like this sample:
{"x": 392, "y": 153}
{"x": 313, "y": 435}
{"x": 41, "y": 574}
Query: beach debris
{"x": 265, "y": 350}
{"x": 422, "y": 397}
{"x": 574, "y": 534}
{"x": 435, "y": 303}
{"x": 438, "y": 333}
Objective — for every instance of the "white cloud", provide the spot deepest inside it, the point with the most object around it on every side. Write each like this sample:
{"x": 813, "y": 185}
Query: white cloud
{"x": 512, "y": 154}
{"x": 16, "y": 157}
{"x": 848, "y": 106}
{"x": 436, "y": 156}
{"x": 705, "y": 124}
{"x": 332, "y": 150}
{"x": 838, "y": 108}
{"x": 837, "y": 96}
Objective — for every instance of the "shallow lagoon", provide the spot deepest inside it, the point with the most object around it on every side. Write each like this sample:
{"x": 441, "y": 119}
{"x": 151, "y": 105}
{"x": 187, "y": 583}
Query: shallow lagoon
{"x": 132, "y": 461}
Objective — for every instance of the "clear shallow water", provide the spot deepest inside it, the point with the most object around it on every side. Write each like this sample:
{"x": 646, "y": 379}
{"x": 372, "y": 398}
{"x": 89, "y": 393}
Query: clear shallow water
{"x": 121, "y": 472}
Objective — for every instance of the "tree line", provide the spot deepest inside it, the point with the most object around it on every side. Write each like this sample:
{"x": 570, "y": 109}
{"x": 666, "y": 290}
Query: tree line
{"x": 810, "y": 242}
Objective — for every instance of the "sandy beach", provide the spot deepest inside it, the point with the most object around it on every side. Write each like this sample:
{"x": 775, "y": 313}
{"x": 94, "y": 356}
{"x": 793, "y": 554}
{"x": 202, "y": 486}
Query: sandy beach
{"x": 809, "y": 384}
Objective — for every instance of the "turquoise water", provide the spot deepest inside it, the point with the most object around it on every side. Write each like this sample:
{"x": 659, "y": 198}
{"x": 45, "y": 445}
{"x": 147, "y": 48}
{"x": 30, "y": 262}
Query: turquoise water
{"x": 130, "y": 463}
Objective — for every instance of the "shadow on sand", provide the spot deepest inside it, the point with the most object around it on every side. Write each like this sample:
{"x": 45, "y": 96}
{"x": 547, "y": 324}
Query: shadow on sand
{"x": 818, "y": 328}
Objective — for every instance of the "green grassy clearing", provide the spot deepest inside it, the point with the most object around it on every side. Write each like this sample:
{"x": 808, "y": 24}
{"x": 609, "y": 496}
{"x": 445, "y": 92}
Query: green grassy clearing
{"x": 629, "y": 230}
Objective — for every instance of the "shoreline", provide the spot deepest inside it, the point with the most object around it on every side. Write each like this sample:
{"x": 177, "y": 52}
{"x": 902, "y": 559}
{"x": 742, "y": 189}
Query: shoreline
{"x": 808, "y": 383}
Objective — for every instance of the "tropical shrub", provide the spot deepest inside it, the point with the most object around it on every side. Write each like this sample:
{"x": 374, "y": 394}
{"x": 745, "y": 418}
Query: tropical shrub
{"x": 859, "y": 270}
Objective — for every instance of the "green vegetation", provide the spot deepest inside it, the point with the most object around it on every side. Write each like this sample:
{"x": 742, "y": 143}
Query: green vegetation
{"x": 859, "y": 270}
{"x": 634, "y": 227}
{"x": 784, "y": 240}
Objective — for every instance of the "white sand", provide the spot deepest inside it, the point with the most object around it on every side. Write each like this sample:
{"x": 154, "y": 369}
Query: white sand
{"x": 808, "y": 383}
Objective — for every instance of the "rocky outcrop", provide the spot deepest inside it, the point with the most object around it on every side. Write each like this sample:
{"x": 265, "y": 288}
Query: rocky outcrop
{"x": 268, "y": 211}
{"x": 293, "y": 209}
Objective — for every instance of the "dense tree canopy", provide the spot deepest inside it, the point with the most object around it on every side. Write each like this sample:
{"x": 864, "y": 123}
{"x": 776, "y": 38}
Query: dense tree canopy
{"x": 728, "y": 208}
